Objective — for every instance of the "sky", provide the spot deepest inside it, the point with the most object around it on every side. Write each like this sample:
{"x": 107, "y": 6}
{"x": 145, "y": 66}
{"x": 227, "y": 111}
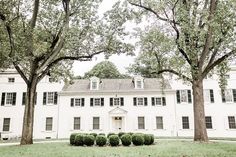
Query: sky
{"x": 121, "y": 61}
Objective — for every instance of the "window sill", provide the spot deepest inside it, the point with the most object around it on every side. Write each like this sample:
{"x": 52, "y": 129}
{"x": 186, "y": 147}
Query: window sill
{"x": 49, "y": 104}
{"x": 77, "y": 130}
{"x": 8, "y": 106}
{"x": 6, "y": 132}
{"x": 160, "y": 129}
{"x": 48, "y": 131}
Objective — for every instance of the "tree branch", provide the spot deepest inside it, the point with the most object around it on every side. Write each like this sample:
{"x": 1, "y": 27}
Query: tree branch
{"x": 176, "y": 73}
{"x": 35, "y": 14}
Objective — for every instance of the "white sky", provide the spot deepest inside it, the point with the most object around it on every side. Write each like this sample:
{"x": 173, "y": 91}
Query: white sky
{"x": 121, "y": 61}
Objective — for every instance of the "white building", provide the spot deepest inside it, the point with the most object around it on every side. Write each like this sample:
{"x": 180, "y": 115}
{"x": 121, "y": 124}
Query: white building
{"x": 115, "y": 105}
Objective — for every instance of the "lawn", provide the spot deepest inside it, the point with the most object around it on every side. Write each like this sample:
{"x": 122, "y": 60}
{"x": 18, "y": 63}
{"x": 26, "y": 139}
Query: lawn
{"x": 162, "y": 148}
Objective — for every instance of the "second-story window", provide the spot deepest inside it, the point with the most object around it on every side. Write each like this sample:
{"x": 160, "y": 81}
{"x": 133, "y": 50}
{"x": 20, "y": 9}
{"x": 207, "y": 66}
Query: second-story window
{"x": 158, "y": 101}
{"x": 96, "y": 101}
{"x": 117, "y": 101}
{"x": 8, "y": 99}
{"x": 208, "y": 96}
{"x": 228, "y": 95}
{"x": 76, "y": 102}
{"x": 50, "y": 98}
{"x": 183, "y": 96}
{"x": 140, "y": 101}
{"x": 11, "y": 79}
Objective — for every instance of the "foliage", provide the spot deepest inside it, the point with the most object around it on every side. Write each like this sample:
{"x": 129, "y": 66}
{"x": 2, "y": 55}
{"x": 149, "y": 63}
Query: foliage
{"x": 109, "y": 134}
{"x": 126, "y": 139}
{"x": 120, "y": 134}
{"x": 138, "y": 139}
{"x": 79, "y": 140}
{"x": 94, "y": 134}
{"x": 114, "y": 140}
{"x": 102, "y": 134}
{"x": 148, "y": 139}
{"x": 89, "y": 140}
{"x": 72, "y": 138}
{"x": 101, "y": 140}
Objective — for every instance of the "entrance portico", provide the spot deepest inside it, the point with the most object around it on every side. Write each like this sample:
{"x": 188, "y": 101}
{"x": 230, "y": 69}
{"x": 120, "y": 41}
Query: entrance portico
{"x": 117, "y": 117}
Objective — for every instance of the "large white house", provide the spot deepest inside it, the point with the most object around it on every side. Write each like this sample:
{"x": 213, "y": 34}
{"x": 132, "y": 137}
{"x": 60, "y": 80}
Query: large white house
{"x": 116, "y": 105}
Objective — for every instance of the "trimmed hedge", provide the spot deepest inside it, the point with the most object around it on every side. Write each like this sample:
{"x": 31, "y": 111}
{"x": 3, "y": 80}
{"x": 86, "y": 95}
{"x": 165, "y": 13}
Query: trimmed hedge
{"x": 138, "y": 139}
{"x": 89, "y": 140}
{"x": 79, "y": 140}
{"x": 126, "y": 139}
{"x": 94, "y": 134}
{"x": 109, "y": 134}
{"x": 114, "y": 140}
{"x": 102, "y": 134}
{"x": 147, "y": 139}
{"x": 72, "y": 138}
{"x": 120, "y": 134}
{"x": 101, "y": 140}
{"x": 152, "y": 138}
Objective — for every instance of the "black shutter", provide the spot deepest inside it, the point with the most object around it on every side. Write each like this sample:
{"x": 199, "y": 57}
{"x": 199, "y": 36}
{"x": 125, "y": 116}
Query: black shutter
{"x": 24, "y": 98}
{"x": 14, "y": 99}
{"x": 145, "y": 101}
{"x": 153, "y": 101}
{"x": 135, "y": 101}
{"x": 102, "y": 101}
{"x": 178, "y": 96}
{"x": 111, "y": 101}
{"x": 44, "y": 98}
{"x": 121, "y": 101}
{"x": 234, "y": 94}
{"x": 82, "y": 100}
{"x": 55, "y": 98}
{"x": 212, "y": 95}
{"x": 189, "y": 96}
{"x": 72, "y": 102}
{"x": 91, "y": 101}
{"x": 223, "y": 95}
{"x": 164, "y": 101}
{"x": 3, "y": 99}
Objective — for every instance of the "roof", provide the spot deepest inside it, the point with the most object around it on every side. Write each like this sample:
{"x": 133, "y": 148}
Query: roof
{"x": 83, "y": 85}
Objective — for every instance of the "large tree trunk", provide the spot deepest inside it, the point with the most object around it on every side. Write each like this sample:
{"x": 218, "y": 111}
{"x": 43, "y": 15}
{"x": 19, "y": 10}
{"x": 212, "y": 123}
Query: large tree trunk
{"x": 28, "y": 121}
{"x": 200, "y": 133}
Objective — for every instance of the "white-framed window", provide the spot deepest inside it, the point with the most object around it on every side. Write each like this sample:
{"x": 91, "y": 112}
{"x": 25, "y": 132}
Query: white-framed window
{"x": 8, "y": 99}
{"x": 94, "y": 85}
{"x": 139, "y": 84}
{"x": 184, "y": 96}
{"x": 96, "y": 123}
{"x": 141, "y": 123}
{"x": 11, "y": 79}
{"x": 96, "y": 101}
{"x": 208, "y": 122}
{"x": 49, "y": 123}
{"x": 50, "y": 98}
{"x": 185, "y": 122}
{"x": 159, "y": 122}
{"x": 76, "y": 123}
{"x": 140, "y": 101}
{"x": 158, "y": 101}
{"x": 232, "y": 123}
{"x": 208, "y": 96}
{"x": 6, "y": 124}
{"x": 228, "y": 95}
{"x": 117, "y": 101}
{"x": 76, "y": 102}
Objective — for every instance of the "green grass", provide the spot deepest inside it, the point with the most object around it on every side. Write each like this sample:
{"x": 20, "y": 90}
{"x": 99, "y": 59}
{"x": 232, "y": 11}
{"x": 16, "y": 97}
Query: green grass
{"x": 160, "y": 149}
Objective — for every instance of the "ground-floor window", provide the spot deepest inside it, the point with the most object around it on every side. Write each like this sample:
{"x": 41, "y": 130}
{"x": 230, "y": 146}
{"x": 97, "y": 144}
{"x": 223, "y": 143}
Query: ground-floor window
{"x": 208, "y": 122}
{"x": 76, "y": 123}
{"x": 141, "y": 123}
{"x": 49, "y": 121}
{"x": 231, "y": 120}
{"x": 96, "y": 123}
{"x": 185, "y": 122}
{"x": 159, "y": 122}
{"x": 6, "y": 124}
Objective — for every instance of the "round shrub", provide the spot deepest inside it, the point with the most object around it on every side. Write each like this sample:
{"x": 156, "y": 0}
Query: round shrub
{"x": 131, "y": 133}
{"x": 72, "y": 138}
{"x": 147, "y": 139}
{"x": 137, "y": 139}
{"x": 120, "y": 134}
{"x": 89, "y": 140}
{"x": 109, "y": 134}
{"x": 102, "y": 134}
{"x": 152, "y": 139}
{"x": 94, "y": 134}
{"x": 114, "y": 140}
{"x": 79, "y": 138}
{"x": 101, "y": 140}
{"x": 126, "y": 139}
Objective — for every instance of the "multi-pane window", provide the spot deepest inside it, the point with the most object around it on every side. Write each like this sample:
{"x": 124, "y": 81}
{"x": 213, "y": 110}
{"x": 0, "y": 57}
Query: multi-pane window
{"x": 49, "y": 121}
{"x": 231, "y": 120}
{"x": 50, "y": 98}
{"x": 141, "y": 123}
{"x": 159, "y": 101}
{"x": 140, "y": 101}
{"x": 208, "y": 122}
{"x": 117, "y": 101}
{"x": 94, "y": 84}
{"x": 96, "y": 101}
{"x": 76, "y": 102}
{"x": 228, "y": 95}
{"x": 76, "y": 123}
{"x": 159, "y": 122}
{"x": 96, "y": 123}
{"x": 183, "y": 96}
{"x": 8, "y": 99}
{"x": 11, "y": 79}
{"x": 139, "y": 84}
{"x": 208, "y": 95}
{"x": 185, "y": 122}
{"x": 6, "y": 124}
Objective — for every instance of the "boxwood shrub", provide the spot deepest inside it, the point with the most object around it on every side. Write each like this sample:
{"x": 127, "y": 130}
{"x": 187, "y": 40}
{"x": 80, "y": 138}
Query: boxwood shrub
{"x": 152, "y": 138}
{"x": 79, "y": 140}
{"x": 89, "y": 140}
{"x": 120, "y": 134}
{"x": 72, "y": 138}
{"x": 102, "y": 134}
{"x": 101, "y": 140}
{"x": 147, "y": 139}
{"x": 94, "y": 134}
{"x": 114, "y": 140}
{"x": 138, "y": 139}
{"x": 109, "y": 134}
{"x": 126, "y": 139}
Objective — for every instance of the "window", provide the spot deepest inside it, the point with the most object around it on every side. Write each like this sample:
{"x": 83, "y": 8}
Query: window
{"x": 185, "y": 122}
{"x": 94, "y": 84}
{"x": 159, "y": 122}
{"x": 159, "y": 101}
{"x": 49, "y": 124}
{"x": 184, "y": 96}
{"x": 141, "y": 123}
{"x": 208, "y": 122}
{"x": 96, "y": 101}
{"x": 232, "y": 124}
{"x": 50, "y": 79}
{"x": 11, "y": 79}
{"x": 208, "y": 96}
{"x": 139, "y": 84}
{"x": 228, "y": 95}
{"x": 76, "y": 102}
{"x": 96, "y": 123}
{"x": 8, "y": 99}
{"x": 117, "y": 101}
{"x": 140, "y": 101}
{"x": 76, "y": 123}
{"x": 50, "y": 98}
{"x": 6, "y": 124}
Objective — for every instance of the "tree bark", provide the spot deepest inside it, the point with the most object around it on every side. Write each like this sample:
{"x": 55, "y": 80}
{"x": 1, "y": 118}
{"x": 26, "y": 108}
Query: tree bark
{"x": 200, "y": 133}
{"x": 28, "y": 120}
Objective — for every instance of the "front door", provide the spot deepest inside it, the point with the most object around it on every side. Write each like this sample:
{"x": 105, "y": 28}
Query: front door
{"x": 117, "y": 124}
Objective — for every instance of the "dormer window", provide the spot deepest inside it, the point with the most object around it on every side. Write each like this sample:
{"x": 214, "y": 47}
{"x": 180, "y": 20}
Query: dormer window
{"x": 94, "y": 83}
{"x": 138, "y": 82}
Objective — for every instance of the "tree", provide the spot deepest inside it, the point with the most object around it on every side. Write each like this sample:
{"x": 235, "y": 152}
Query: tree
{"x": 203, "y": 32}
{"x": 41, "y": 37}
{"x": 104, "y": 69}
